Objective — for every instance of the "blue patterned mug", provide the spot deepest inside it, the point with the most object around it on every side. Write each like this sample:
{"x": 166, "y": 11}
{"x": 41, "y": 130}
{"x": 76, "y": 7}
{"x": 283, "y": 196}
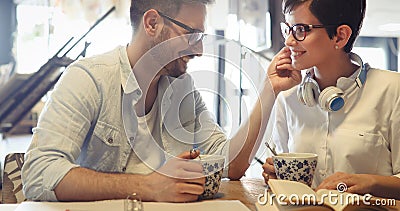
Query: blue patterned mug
{"x": 298, "y": 167}
{"x": 213, "y": 166}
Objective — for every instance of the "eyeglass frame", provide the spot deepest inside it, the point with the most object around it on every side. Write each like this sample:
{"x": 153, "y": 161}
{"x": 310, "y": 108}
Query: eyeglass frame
{"x": 307, "y": 28}
{"x": 192, "y": 31}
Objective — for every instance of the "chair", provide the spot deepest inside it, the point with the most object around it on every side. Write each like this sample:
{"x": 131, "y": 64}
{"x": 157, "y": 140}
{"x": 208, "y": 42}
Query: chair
{"x": 12, "y": 184}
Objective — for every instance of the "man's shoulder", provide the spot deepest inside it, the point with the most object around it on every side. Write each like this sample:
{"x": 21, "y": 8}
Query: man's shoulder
{"x": 101, "y": 63}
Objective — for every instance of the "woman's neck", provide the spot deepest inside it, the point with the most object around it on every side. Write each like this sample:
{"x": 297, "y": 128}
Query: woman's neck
{"x": 328, "y": 73}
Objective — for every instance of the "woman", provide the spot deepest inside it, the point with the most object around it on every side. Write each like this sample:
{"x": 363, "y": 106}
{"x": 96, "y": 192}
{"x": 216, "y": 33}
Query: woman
{"x": 344, "y": 111}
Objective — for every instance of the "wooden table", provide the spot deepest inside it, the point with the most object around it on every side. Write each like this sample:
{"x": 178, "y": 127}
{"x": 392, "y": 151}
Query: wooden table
{"x": 246, "y": 190}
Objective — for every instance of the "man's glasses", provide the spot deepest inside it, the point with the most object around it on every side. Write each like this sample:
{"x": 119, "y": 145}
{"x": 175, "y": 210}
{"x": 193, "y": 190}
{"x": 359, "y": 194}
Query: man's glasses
{"x": 299, "y": 30}
{"x": 195, "y": 35}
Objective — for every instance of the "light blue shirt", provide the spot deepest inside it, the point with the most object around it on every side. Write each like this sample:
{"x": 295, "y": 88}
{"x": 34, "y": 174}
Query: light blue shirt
{"x": 82, "y": 123}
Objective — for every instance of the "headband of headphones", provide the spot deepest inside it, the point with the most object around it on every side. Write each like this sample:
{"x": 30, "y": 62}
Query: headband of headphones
{"x": 362, "y": 75}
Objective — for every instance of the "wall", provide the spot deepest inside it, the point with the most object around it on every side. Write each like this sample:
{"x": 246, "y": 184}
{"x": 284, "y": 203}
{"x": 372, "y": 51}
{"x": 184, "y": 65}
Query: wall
{"x": 7, "y": 26}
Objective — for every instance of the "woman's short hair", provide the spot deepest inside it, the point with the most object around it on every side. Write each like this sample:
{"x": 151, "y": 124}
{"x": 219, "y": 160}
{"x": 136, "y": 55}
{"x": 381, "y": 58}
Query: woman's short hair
{"x": 334, "y": 12}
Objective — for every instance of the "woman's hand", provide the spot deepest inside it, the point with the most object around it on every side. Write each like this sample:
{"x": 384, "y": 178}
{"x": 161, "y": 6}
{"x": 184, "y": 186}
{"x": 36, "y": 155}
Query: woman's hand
{"x": 281, "y": 73}
{"x": 352, "y": 183}
{"x": 269, "y": 170}
{"x": 376, "y": 185}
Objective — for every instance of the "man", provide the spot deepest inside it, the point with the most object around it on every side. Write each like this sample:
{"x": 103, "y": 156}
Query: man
{"x": 109, "y": 128}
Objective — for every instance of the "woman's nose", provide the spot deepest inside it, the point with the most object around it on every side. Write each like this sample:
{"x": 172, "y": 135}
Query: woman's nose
{"x": 290, "y": 41}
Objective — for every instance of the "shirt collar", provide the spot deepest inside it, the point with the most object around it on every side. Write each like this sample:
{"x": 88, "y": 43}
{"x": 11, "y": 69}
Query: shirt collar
{"x": 345, "y": 83}
{"x": 127, "y": 73}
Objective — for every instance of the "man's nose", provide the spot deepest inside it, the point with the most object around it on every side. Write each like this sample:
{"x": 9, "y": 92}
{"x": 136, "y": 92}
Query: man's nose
{"x": 197, "y": 49}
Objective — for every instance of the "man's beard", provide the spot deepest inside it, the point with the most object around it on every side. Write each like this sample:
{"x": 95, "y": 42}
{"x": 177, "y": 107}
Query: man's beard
{"x": 163, "y": 53}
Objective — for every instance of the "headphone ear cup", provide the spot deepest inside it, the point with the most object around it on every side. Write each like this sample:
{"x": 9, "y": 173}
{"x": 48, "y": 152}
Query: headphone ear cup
{"x": 310, "y": 93}
{"x": 331, "y": 99}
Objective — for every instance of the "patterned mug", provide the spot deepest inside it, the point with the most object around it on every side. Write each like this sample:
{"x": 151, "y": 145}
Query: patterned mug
{"x": 213, "y": 166}
{"x": 298, "y": 167}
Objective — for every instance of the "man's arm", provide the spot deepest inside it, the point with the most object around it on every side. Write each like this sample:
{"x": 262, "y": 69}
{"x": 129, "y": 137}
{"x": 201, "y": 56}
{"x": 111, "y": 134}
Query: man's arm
{"x": 50, "y": 172}
{"x": 281, "y": 76}
{"x": 82, "y": 184}
{"x": 57, "y": 140}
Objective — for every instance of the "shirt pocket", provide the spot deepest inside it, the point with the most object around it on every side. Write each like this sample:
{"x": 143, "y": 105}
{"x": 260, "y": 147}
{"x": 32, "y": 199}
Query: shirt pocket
{"x": 356, "y": 151}
{"x": 104, "y": 148}
{"x": 107, "y": 134}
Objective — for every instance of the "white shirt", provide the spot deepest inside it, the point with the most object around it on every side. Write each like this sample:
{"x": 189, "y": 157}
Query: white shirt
{"x": 150, "y": 154}
{"x": 363, "y": 137}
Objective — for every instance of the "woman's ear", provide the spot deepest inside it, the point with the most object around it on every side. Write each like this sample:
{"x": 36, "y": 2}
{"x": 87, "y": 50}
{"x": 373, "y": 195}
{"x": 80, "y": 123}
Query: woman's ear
{"x": 343, "y": 34}
{"x": 152, "y": 22}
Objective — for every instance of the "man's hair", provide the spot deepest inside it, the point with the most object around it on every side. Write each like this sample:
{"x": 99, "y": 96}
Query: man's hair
{"x": 169, "y": 7}
{"x": 334, "y": 12}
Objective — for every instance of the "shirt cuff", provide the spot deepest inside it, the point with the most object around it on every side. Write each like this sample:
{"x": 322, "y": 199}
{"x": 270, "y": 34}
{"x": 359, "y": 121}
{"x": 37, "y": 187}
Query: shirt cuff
{"x": 52, "y": 176}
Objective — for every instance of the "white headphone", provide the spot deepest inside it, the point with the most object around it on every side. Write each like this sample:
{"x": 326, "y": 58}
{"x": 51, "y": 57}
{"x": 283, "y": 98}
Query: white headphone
{"x": 331, "y": 98}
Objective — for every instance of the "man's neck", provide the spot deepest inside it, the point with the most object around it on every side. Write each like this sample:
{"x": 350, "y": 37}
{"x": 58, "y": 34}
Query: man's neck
{"x": 146, "y": 78}
{"x": 149, "y": 87}
{"x": 146, "y": 102}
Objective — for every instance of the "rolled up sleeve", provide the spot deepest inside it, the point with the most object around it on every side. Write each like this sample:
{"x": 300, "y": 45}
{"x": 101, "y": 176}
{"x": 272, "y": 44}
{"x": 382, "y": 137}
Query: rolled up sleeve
{"x": 61, "y": 132}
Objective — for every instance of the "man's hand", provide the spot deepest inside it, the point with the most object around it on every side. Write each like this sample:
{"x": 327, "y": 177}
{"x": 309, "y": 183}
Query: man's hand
{"x": 179, "y": 180}
{"x": 281, "y": 73}
{"x": 269, "y": 170}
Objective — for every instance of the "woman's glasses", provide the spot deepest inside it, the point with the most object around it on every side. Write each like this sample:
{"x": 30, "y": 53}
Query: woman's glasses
{"x": 299, "y": 31}
{"x": 195, "y": 35}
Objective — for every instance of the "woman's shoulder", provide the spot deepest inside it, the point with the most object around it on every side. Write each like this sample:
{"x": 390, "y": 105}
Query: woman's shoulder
{"x": 384, "y": 82}
{"x": 383, "y": 73}
{"x": 383, "y": 76}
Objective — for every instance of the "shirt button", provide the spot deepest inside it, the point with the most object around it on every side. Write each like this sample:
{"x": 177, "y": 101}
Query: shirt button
{"x": 131, "y": 138}
{"x": 110, "y": 140}
{"x": 124, "y": 169}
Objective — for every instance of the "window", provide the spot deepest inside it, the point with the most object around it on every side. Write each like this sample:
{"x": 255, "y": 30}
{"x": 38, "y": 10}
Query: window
{"x": 379, "y": 52}
{"x": 42, "y": 30}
